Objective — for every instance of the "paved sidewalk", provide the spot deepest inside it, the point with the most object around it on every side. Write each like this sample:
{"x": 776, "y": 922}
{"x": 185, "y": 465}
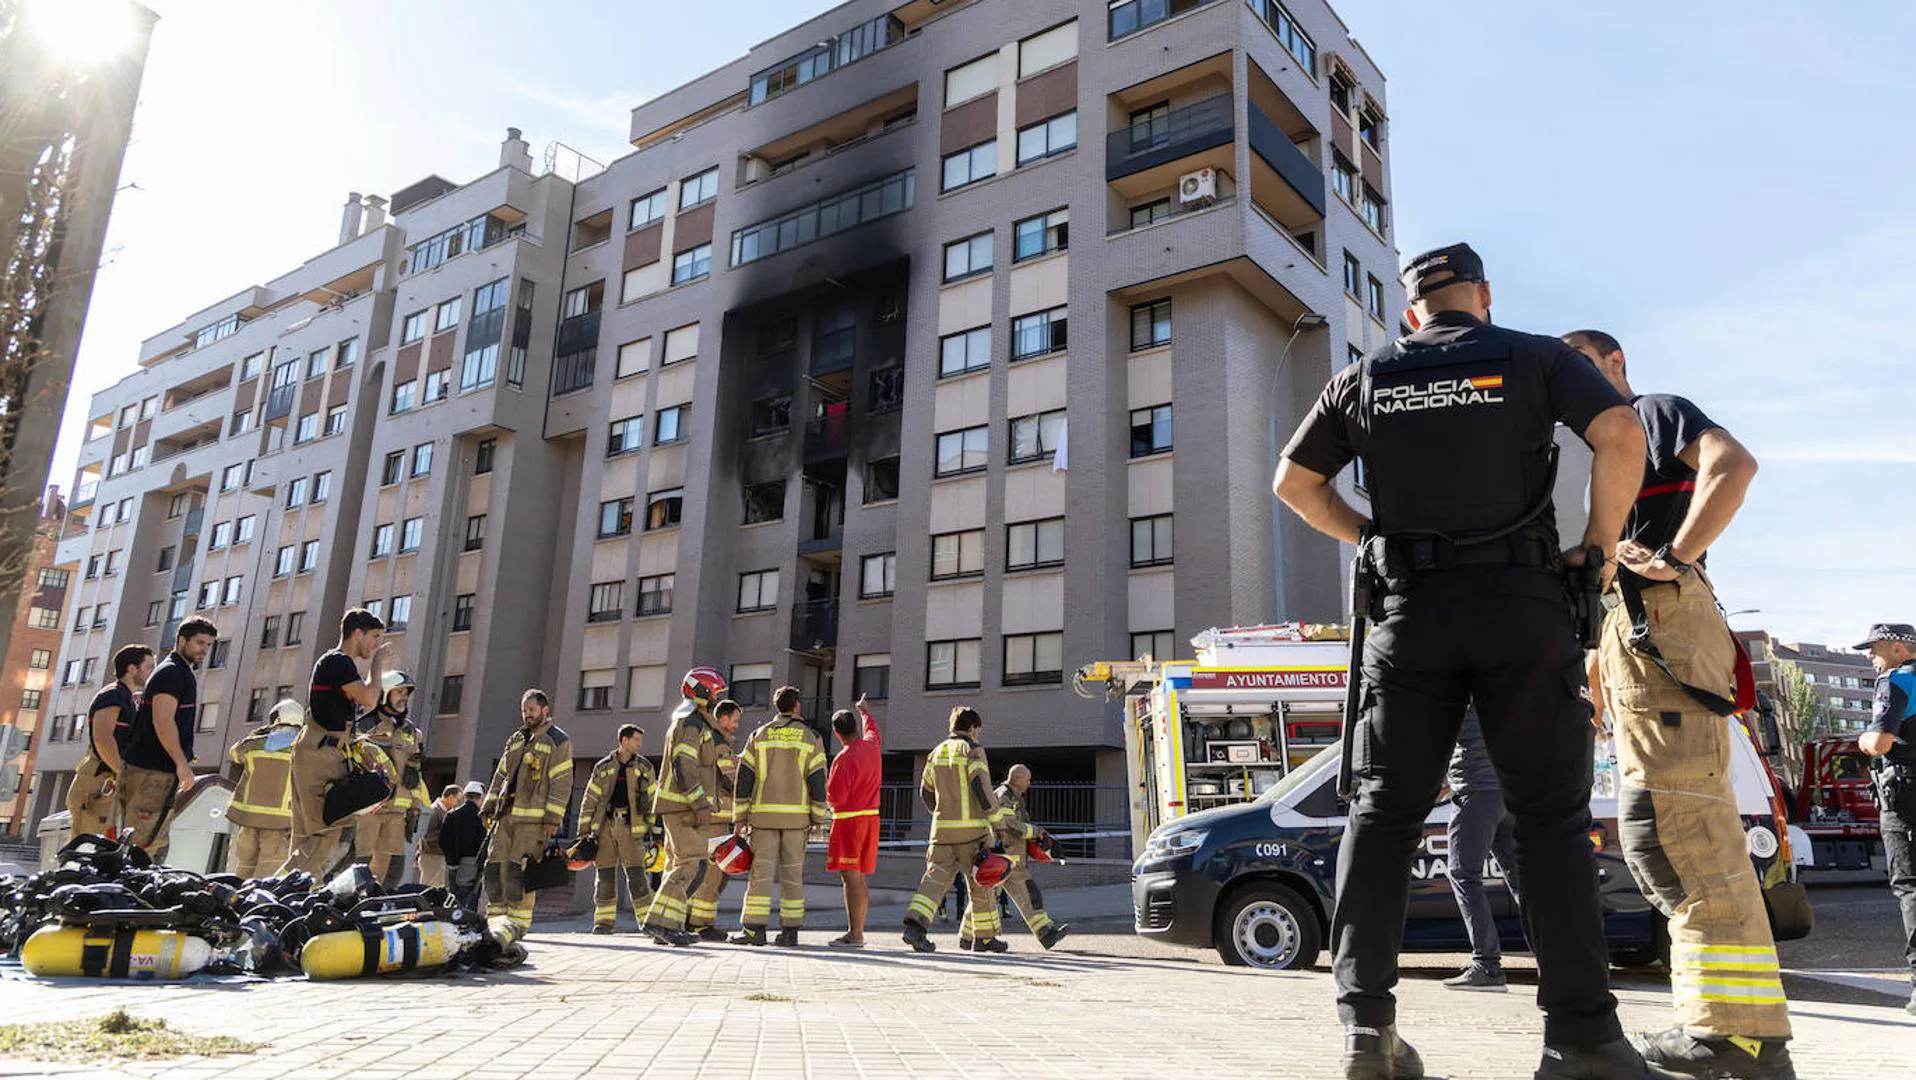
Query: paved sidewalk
{"x": 620, "y": 1007}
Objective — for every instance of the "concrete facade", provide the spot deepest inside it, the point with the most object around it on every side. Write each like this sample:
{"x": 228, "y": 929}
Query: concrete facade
{"x": 695, "y": 382}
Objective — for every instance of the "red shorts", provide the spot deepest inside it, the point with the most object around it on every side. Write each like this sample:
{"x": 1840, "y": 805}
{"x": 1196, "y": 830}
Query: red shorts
{"x": 853, "y": 844}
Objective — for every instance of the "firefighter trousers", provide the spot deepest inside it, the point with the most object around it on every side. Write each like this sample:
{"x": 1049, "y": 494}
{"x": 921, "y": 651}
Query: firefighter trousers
{"x": 1498, "y": 636}
{"x": 90, "y": 805}
{"x": 686, "y": 866}
{"x": 257, "y": 852}
{"x": 619, "y": 851}
{"x": 945, "y": 863}
{"x": 381, "y": 841}
{"x": 318, "y": 761}
{"x": 778, "y": 856}
{"x": 507, "y": 901}
{"x": 1682, "y": 836}
{"x": 145, "y": 798}
{"x": 1024, "y": 894}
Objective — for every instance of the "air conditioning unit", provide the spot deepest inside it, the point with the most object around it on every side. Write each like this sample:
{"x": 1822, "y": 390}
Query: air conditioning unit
{"x": 1198, "y": 187}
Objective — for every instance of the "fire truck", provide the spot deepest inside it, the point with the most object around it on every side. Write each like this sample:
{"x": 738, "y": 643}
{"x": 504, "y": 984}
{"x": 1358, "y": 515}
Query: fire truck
{"x": 1835, "y": 807}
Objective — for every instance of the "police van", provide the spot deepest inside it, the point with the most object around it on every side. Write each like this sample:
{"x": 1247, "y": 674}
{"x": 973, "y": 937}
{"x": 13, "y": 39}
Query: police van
{"x": 1237, "y": 822}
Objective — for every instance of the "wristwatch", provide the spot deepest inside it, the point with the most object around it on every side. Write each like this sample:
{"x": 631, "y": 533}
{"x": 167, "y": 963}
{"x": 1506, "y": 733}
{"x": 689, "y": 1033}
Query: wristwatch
{"x": 1670, "y": 560}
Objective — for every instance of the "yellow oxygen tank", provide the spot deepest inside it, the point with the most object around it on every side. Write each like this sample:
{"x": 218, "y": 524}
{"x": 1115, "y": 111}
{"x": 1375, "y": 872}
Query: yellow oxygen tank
{"x": 379, "y": 950}
{"x": 115, "y": 952}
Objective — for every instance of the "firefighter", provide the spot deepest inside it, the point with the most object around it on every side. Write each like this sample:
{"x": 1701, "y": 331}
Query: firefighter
{"x": 1455, "y": 425}
{"x": 261, "y": 806}
{"x": 1667, "y": 662}
{"x": 617, "y": 814}
{"x": 381, "y": 837}
{"x": 109, "y": 723}
{"x": 1018, "y": 885}
{"x": 701, "y": 916}
{"x": 687, "y": 807}
{"x": 965, "y": 815}
{"x": 525, "y": 807}
{"x": 321, "y": 753}
{"x": 780, "y": 799}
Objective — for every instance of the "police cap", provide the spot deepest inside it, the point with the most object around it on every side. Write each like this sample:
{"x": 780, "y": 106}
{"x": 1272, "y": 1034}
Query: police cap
{"x": 1438, "y": 268}
{"x": 1889, "y": 631}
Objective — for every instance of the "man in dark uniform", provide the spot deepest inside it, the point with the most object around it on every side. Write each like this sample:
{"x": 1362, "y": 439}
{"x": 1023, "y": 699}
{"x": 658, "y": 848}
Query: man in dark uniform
{"x": 1454, "y": 424}
{"x": 158, "y": 757}
{"x": 326, "y": 741}
{"x": 109, "y": 726}
{"x": 1890, "y": 741}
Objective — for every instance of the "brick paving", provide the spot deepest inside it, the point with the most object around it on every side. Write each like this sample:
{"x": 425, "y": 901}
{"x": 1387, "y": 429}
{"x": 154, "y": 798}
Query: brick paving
{"x": 621, "y": 1007}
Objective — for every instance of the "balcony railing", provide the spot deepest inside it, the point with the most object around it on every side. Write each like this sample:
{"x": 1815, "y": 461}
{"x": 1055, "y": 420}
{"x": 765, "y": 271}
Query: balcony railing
{"x": 827, "y": 439}
{"x": 815, "y": 626}
{"x": 1183, "y": 131}
{"x": 279, "y": 402}
{"x": 1290, "y": 163}
{"x": 574, "y": 371}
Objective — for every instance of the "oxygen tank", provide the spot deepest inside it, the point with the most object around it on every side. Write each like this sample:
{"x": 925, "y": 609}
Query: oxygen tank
{"x": 115, "y": 952}
{"x": 348, "y": 954}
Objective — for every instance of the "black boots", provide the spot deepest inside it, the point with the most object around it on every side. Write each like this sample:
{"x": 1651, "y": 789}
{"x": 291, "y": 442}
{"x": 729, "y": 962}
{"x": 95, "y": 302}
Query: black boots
{"x": 1614, "y": 1060}
{"x": 916, "y": 937}
{"x": 1378, "y": 1054}
{"x": 1715, "y": 1058}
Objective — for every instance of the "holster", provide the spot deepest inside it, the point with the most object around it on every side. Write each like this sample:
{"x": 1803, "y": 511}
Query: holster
{"x": 1583, "y": 591}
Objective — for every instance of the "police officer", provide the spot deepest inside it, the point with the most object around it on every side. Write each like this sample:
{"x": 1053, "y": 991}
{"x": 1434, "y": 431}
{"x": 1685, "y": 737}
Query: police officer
{"x": 380, "y": 838}
{"x": 1891, "y": 743}
{"x": 1454, "y": 424}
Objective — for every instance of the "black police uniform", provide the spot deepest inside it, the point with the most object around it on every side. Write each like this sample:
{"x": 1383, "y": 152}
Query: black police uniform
{"x": 1458, "y": 443}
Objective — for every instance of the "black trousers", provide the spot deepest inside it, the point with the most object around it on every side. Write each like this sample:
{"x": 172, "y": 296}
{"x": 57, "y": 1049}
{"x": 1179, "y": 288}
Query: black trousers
{"x": 1900, "y": 849}
{"x": 1498, "y": 635}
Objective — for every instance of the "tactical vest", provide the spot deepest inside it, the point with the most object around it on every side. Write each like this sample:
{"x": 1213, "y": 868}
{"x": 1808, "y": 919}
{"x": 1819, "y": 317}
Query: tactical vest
{"x": 263, "y": 798}
{"x": 1456, "y": 438}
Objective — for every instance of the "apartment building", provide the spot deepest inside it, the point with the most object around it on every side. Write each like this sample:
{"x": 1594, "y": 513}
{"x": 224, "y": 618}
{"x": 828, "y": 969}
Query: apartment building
{"x": 31, "y": 659}
{"x": 819, "y": 385}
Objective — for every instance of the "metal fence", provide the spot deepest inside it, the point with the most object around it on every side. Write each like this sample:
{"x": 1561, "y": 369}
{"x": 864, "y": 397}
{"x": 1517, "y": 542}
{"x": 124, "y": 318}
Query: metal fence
{"x": 1069, "y": 809}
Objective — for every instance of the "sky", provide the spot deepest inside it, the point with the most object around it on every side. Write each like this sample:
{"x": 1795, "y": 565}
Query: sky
{"x": 1722, "y": 186}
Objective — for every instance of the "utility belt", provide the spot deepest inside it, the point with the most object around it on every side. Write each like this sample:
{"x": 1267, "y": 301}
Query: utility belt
{"x": 1895, "y": 785}
{"x": 1397, "y": 560}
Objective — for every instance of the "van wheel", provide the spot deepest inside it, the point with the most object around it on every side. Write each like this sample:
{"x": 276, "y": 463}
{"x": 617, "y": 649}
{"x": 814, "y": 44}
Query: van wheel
{"x": 1267, "y": 926}
{"x": 1656, "y": 952}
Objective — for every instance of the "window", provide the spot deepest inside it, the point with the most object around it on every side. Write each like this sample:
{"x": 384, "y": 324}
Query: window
{"x": 647, "y": 209}
{"x": 751, "y": 685}
{"x": 165, "y": 561}
{"x": 1038, "y": 334}
{"x": 881, "y": 480}
{"x": 635, "y": 358}
{"x": 757, "y": 591}
{"x": 877, "y": 576}
{"x": 771, "y": 415}
{"x": 70, "y": 674}
{"x": 413, "y": 329}
{"x": 962, "y": 451}
{"x": 655, "y": 595}
{"x": 1374, "y": 298}
{"x": 232, "y": 477}
{"x": 316, "y": 362}
{"x": 1157, "y": 644}
{"x": 232, "y": 594}
{"x": 452, "y": 693}
{"x": 176, "y": 506}
{"x": 692, "y": 264}
{"x": 405, "y": 397}
{"x": 382, "y": 540}
{"x": 671, "y": 425}
{"x": 438, "y": 384}
{"x": 1034, "y": 659}
{"x": 1343, "y": 90}
{"x": 93, "y": 568}
{"x": 606, "y": 602}
{"x": 1150, "y": 431}
{"x": 1048, "y": 49}
{"x": 401, "y": 614}
{"x": 251, "y": 367}
{"x": 283, "y": 560}
{"x": 100, "y": 616}
{"x": 394, "y": 468}
{"x": 112, "y": 567}
{"x": 951, "y": 665}
{"x": 887, "y": 389}
{"x": 346, "y": 353}
{"x": 335, "y": 420}
{"x": 1370, "y": 127}
{"x": 480, "y": 368}
{"x": 475, "y": 532}
{"x": 269, "y": 633}
{"x": 1294, "y": 40}
{"x": 309, "y": 556}
{"x": 243, "y": 529}
{"x": 1151, "y": 541}
{"x": 1344, "y": 178}
{"x": 447, "y": 315}
{"x": 627, "y": 436}
{"x": 1130, "y": 16}
{"x": 322, "y": 486}
{"x": 307, "y": 429}
{"x": 871, "y": 676}
{"x": 825, "y": 217}
{"x": 965, "y": 351}
{"x": 583, "y": 300}
{"x": 79, "y": 619}
{"x": 957, "y": 555}
{"x": 40, "y": 659}
{"x": 764, "y": 502}
{"x": 1150, "y": 213}
{"x": 1373, "y": 210}
{"x": 176, "y": 607}
{"x": 411, "y": 531}
{"x": 30, "y": 700}
{"x": 296, "y": 492}
{"x": 1036, "y": 437}
{"x": 663, "y": 509}
{"x": 1353, "y": 275}
{"x": 968, "y": 257}
{"x": 615, "y": 518}
{"x": 694, "y": 190}
{"x": 1030, "y": 545}
{"x": 1151, "y": 325}
{"x": 1041, "y": 235}
{"x": 295, "y": 627}
{"x": 970, "y": 165}
{"x": 1047, "y": 138}
{"x": 482, "y": 456}
{"x": 422, "y": 459}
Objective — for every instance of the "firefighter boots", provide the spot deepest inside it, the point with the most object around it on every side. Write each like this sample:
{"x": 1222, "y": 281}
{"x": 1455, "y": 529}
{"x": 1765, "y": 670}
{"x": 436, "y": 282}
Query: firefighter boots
{"x": 1379, "y": 1054}
{"x": 787, "y": 937}
{"x": 749, "y": 935}
{"x": 916, "y": 937}
{"x": 1053, "y": 934}
{"x": 666, "y": 935}
{"x": 1717, "y": 1058}
{"x": 710, "y": 933}
{"x": 990, "y": 945}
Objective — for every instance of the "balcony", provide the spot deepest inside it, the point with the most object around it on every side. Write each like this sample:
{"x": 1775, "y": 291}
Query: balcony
{"x": 279, "y": 402}
{"x": 1180, "y": 133}
{"x": 827, "y": 438}
{"x": 815, "y": 626}
{"x": 1290, "y": 164}
{"x": 578, "y": 333}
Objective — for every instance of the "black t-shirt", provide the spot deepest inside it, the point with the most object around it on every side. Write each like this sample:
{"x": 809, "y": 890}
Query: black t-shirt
{"x": 116, "y": 696}
{"x": 617, "y": 800}
{"x": 327, "y": 700}
{"x": 1670, "y": 424}
{"x": 174, "y": 678}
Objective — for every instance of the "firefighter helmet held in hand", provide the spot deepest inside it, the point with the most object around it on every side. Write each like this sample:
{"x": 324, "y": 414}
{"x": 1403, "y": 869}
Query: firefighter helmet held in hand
{"x": 990, "y": 869}
{"x": 583, "y": 853}
{"x": 732, "y": 855}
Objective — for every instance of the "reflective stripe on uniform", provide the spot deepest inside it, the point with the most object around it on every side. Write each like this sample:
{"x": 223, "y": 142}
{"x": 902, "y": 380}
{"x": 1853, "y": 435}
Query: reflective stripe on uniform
{"x": 854, "y": 813}
{"x": 1728, "y": 974}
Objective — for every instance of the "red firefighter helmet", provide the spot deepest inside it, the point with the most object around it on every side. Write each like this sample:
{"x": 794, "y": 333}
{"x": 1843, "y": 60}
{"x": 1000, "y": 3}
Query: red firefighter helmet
{"x": 1038, "y": 852}
{"x": 703, "y": 685}
{"x": 583, "y": 854}
{"x": 732, "y": 855}
{"x": 990, "y": 869}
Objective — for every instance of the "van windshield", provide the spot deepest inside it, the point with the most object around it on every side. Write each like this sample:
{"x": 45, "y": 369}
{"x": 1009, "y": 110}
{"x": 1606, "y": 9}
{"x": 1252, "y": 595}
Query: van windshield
{"x": 1303, "y": 776}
